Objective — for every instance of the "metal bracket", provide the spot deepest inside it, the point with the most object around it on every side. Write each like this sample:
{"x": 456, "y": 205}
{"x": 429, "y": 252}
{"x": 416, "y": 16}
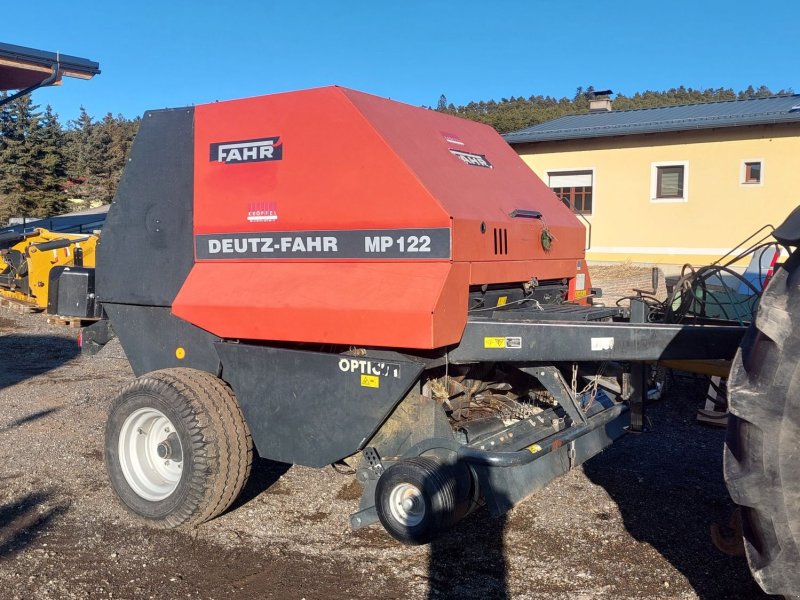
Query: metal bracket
{"x": 551, "y": 378}
{"x": 636, "y": 379}
{"x": 374, "y": 461}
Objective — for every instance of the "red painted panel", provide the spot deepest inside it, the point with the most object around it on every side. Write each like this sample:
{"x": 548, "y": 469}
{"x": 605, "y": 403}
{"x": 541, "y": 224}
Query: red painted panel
{"x": 342, "y": 160}
{"x": 425, "y": 139}
{"x": 403, "y": 305}
{"x": 335, "y": 173}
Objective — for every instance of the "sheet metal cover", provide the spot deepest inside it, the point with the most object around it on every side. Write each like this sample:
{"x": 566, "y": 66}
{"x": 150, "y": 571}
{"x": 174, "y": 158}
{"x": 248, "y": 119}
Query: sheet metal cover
{"x": 303, "y": 161}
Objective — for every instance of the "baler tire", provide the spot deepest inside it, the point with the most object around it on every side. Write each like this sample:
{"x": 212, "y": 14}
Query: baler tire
{"x": 436, "y": 485}
{"x": 762, "y": 450}
{"x": 215, "y": 442}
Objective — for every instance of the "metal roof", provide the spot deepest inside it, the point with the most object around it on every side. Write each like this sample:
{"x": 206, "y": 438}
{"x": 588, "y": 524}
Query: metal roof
{"x": 731, "y": 113}
{"x": 22, "y": 67}
{"x": 75, "y": 222}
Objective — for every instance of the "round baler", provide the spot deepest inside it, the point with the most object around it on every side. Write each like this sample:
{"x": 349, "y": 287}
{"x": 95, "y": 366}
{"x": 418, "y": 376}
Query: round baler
{"x": 329, "y": 276}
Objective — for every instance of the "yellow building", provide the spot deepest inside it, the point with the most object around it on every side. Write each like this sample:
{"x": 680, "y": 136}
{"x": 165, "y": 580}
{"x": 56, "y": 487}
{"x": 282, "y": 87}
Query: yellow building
{"x": 675, "y": 184}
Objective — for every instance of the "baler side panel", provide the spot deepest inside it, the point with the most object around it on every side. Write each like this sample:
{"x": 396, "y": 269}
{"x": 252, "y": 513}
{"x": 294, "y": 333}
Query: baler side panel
{"x": 312, "y": 408}
{"x": 371, "y": 304}
{"x": 152, "y": 337}
{"x": 146, "y": 250}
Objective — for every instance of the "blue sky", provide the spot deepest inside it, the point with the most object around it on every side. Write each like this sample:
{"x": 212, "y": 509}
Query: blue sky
{"x": 178, "y": 52}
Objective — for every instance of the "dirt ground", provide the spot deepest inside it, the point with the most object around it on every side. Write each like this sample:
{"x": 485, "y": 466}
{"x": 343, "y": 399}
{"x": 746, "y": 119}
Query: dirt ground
{"x": 631, "y": 523}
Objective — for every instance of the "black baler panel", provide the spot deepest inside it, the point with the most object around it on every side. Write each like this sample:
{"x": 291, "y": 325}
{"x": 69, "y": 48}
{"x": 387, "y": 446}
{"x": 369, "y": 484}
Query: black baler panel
{"x": 146, "y": 250}
{"x": 151, "y": 336}
{"x": 313, "y": 408}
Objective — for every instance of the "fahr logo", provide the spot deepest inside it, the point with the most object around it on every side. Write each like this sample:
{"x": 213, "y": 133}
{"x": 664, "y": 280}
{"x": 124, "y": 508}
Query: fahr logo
{"x": 245, "y": 151}
{"x": 474, "y": 160}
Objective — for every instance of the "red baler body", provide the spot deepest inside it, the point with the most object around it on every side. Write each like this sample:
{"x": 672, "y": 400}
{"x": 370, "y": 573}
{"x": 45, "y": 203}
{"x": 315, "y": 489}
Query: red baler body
{"x": 350, "y": 161}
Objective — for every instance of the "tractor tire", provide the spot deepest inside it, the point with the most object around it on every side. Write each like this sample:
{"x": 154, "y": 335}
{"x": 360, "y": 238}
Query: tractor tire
{"x": 177, "y": 448}
{"x": 762, "y": 453}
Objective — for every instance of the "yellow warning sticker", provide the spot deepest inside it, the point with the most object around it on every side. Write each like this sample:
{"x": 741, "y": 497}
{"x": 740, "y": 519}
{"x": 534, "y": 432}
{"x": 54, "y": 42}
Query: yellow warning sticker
{"x": 501, "y": 301}
{"x": 534, "y": 448}
{"x": 502, "y": 342}
{"x": 372, "y": 381}
{"x": 581, "y": 294}
{"x": 494, "y": 342}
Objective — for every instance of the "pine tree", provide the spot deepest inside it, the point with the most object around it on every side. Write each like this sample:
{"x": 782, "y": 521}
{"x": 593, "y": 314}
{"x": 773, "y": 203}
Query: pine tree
{"x": 18, "y": 159}
{"x": 83, "y": 158}
{"x": 47, "y": 142}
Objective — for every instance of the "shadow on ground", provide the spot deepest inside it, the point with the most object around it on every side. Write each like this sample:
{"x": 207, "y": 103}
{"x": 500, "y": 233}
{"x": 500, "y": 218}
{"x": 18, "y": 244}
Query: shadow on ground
{"x": 264, "y": 474}
{"x": 26, "y": 356}
{"x": 470, "y": 561}
{"x": 669, "y": 487}
{"x": 25, "y": 519}
{"x": 35, "y": 416}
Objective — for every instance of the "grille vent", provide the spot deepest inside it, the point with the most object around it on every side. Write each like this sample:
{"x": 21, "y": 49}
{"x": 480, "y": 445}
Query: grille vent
{"x": 500, "y": 241}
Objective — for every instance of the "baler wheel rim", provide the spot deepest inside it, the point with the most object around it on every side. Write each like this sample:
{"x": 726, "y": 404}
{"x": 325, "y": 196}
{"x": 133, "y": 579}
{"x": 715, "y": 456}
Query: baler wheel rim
{"x": 407, "y": 504}
{"x": 152, "y": 477}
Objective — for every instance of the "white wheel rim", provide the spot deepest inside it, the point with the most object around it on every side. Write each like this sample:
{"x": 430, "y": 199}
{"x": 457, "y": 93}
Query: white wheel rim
{"x": 407, "y": 504}
{"x": 151, "y": 476}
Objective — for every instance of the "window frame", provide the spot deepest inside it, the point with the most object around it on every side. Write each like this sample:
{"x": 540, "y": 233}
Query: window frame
{"x": 654, "y": 175}
{"x": 590, "y": 170}
{"x": 743, "y": 172}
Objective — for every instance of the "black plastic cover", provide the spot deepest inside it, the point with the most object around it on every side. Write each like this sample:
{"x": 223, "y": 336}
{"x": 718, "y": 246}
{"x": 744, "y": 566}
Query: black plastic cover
{"x": 147, "y": 249}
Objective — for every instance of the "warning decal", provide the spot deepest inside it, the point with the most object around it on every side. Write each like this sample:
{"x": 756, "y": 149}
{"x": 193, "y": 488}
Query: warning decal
{"x": 502, "y": 342}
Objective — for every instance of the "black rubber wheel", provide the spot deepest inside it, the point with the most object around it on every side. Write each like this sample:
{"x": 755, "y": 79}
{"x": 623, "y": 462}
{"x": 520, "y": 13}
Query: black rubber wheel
{"x": 419, "y": 498}
{"x": 177, "y": 448}
{"x": 762, "y": 454}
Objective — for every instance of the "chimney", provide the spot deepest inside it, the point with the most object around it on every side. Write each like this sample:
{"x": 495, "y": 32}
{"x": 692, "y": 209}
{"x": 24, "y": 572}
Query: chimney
{"x": 600, "y": 101}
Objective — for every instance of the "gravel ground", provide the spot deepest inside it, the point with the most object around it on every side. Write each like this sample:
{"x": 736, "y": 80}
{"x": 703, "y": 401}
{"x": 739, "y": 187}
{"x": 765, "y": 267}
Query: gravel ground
{"x": 631, "y": 523}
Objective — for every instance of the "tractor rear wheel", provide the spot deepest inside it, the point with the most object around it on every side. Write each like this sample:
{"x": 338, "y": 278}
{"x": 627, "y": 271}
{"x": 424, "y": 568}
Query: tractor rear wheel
{"x": 177, "y": 448}
{"x": 762, "y": 454}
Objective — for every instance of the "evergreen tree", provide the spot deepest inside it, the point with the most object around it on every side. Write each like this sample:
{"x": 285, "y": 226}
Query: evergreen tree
{"x": 18, "y": 157}
{"x": 510, "y": 114}
{"x": 83, "y": 158}
{"x": 47, "y": 143}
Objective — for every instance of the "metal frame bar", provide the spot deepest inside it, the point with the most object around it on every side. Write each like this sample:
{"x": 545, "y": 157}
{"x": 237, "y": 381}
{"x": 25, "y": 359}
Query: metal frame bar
{"x": 526, "y": 341}
{"x": 490, "y": 458}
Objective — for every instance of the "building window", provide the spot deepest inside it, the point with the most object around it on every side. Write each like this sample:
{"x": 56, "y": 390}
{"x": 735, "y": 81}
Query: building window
{"x": 669, "y": 182}
{"x": 574, "y": 188}
{"x": 752, "y": 171}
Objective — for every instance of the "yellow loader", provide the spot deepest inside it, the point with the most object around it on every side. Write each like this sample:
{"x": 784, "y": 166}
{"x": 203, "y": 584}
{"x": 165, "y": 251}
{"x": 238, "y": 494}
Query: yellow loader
{"x": 31, "y": 264}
